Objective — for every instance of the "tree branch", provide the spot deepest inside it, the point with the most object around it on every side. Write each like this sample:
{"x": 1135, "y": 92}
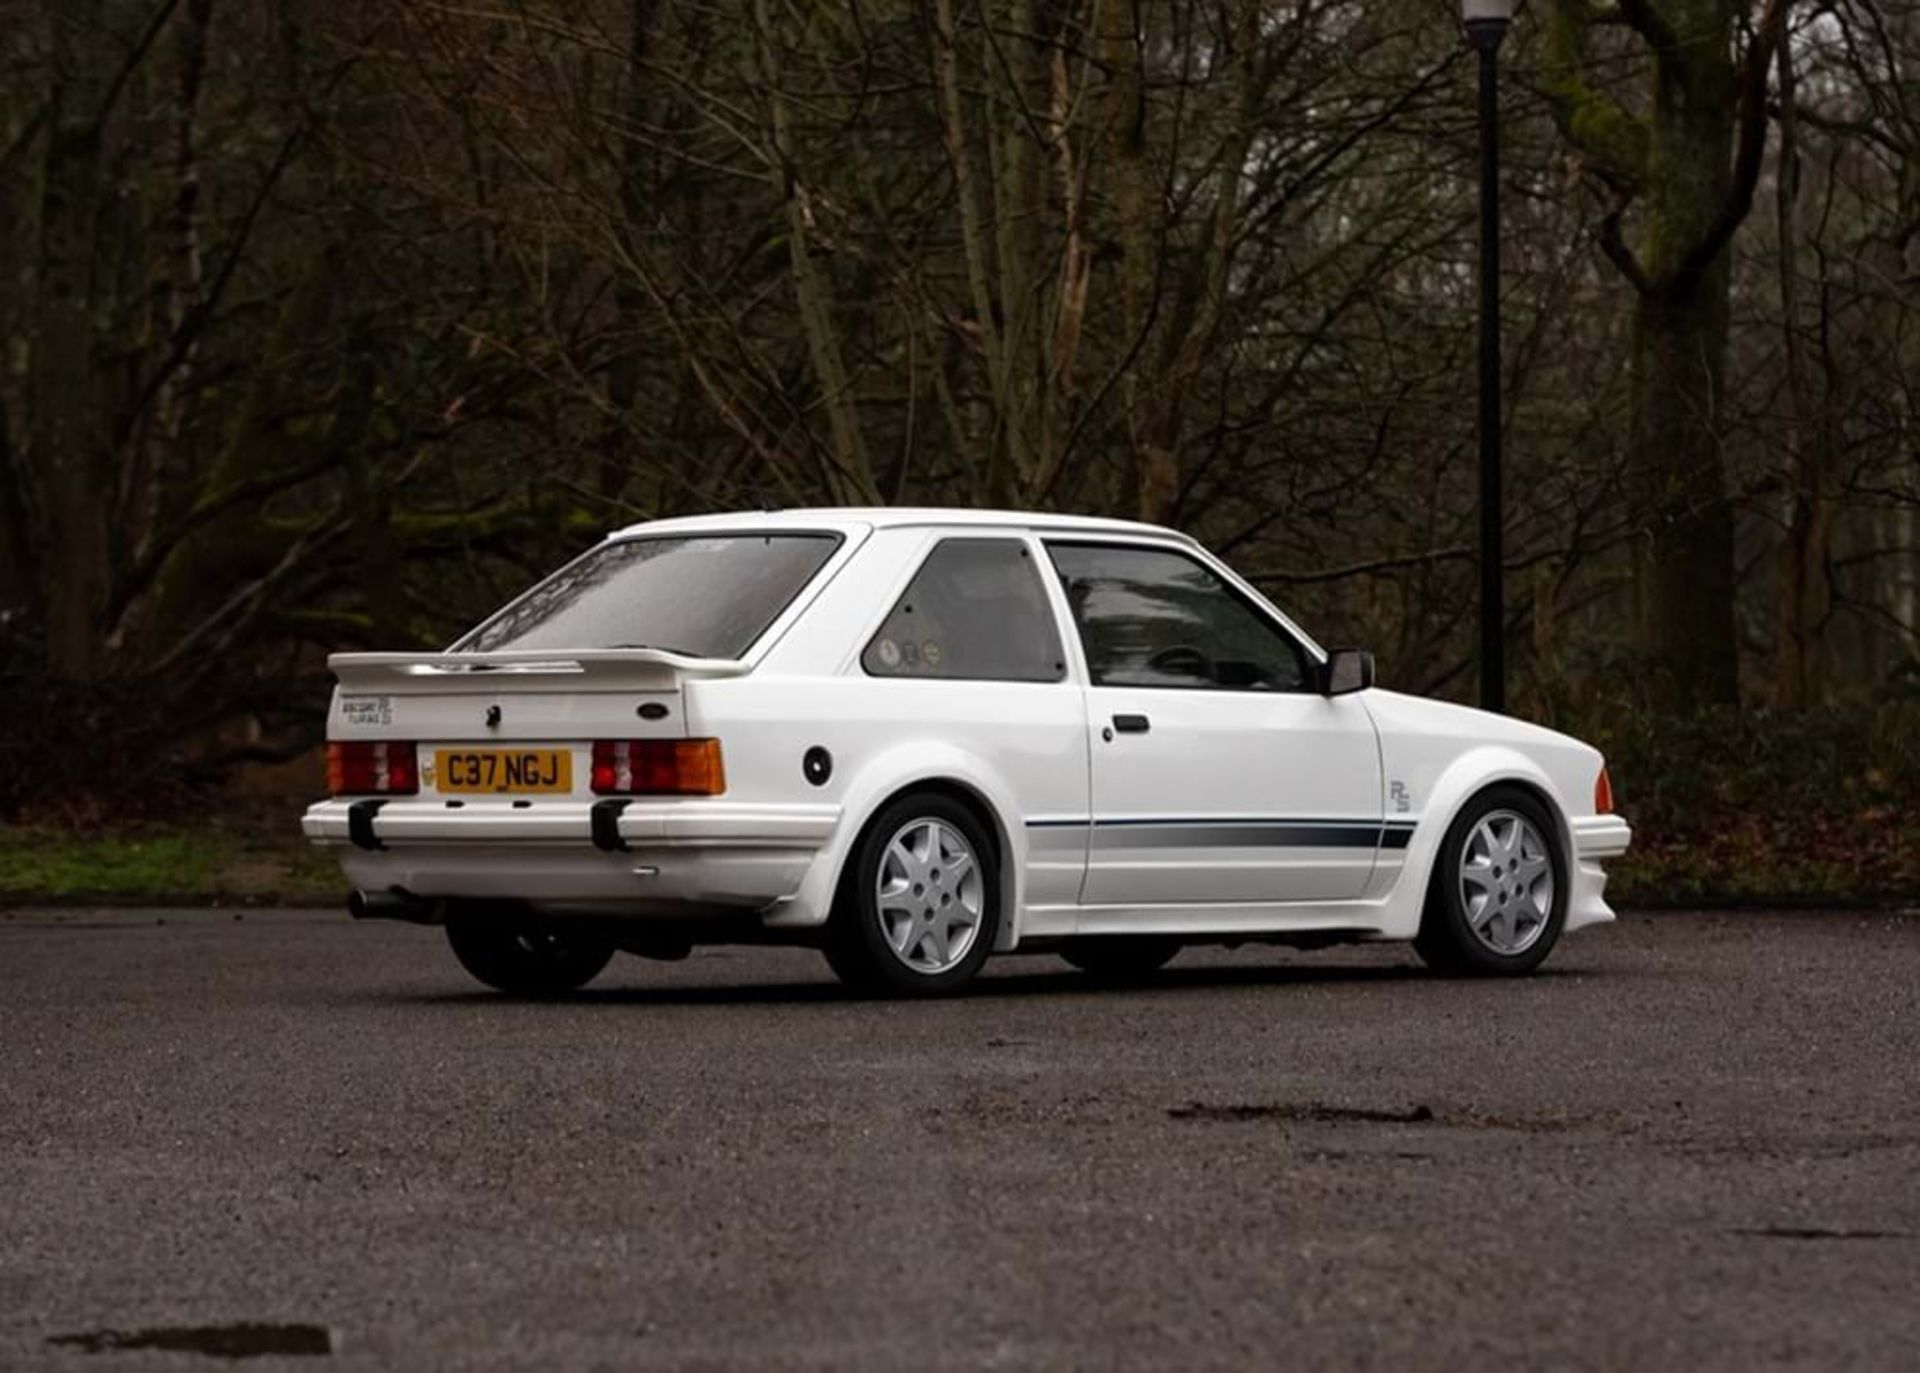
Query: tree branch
{"x": 1651, "y": 25}
{"x": 1611, "y": 140}
{"x": 134, "y": 59}
{"x": 143, "y": 571}
{"x": 1748, "y": 154}
{"x": 195, "y": 323}
{"x": 1614, "y": 245}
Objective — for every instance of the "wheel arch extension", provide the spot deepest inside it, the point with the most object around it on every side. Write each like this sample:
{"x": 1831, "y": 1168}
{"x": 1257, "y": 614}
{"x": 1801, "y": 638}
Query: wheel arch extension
{"x": 977, "y": 804}
{"x": 975, "y": 796}
{"x": 1512, "y": 771}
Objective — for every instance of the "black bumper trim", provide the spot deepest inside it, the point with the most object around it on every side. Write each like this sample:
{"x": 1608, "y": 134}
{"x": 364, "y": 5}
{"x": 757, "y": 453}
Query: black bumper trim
{"x": 360, "y": 824}
{"x": 605, "y": 819}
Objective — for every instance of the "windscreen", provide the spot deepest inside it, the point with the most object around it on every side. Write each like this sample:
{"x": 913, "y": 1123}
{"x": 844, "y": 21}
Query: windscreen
{"x": 709, "y": 596}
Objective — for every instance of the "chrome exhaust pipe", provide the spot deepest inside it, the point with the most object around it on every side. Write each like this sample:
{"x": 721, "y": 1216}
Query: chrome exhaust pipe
{"x": 397, "y": 904}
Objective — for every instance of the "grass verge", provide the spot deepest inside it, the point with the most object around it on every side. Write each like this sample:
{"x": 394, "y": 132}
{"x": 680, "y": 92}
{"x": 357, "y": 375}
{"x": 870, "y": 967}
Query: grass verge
{"x": 207, "y": 865}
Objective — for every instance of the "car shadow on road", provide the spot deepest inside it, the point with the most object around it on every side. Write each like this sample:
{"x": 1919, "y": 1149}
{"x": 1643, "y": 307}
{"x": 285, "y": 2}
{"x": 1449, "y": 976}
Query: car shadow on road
{"x": 1000, "y": 984}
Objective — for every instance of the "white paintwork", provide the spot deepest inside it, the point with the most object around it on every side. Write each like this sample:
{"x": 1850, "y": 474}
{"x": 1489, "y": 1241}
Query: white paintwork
{"x": 1210, "y": 758}
{"x": 1034, "y": 756}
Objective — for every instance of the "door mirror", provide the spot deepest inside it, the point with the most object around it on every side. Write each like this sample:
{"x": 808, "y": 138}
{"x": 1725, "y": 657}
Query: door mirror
{"x": 1346, "y": 670}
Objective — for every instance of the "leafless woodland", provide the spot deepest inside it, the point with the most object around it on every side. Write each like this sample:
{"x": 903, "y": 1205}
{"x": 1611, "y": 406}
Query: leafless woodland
{"x": 329, "y": 324}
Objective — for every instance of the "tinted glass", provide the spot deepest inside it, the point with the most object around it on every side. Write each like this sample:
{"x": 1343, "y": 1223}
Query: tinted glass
{"x": 1151, "y": 617}
{"x": 708, "y": 597}
{"x": 975, "y": 610}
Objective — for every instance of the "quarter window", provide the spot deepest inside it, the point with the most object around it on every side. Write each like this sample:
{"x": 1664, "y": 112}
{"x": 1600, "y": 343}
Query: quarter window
{"x": 975, "y": 611}
{"x": 1153, "y": 617}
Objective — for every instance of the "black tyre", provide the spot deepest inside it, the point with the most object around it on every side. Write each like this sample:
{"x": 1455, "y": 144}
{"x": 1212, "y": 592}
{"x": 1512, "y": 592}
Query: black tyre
{"x": 1498, "y": 895}
{"x": 919, "y": 902}
{"x": 1120, "y": 957}
{"x": 522, "y": 955}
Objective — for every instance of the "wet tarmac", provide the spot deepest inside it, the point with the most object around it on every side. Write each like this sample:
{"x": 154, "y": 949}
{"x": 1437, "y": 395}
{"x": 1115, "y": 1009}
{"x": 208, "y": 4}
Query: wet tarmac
{"x": 286, "y": 1137}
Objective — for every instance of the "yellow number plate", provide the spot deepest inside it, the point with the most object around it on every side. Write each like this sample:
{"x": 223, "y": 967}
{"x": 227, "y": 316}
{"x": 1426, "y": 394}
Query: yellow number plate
{"x": 490, "y": 770}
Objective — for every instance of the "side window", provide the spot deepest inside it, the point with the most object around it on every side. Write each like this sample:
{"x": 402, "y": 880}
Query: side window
{"x": 976, "y": 610}
{"x": 1154, "y": 617}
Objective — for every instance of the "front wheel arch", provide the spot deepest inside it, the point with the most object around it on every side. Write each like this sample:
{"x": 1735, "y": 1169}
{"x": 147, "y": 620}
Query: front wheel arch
{"x": 1562, "y": 831}
{"x": 1432, "y": 940}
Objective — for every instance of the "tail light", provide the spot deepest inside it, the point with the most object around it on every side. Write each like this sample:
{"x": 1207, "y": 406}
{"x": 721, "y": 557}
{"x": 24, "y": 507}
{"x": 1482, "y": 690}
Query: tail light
{"x": 1603, "y": 793}
{"x": 358, "y": 767}
{"x": 658, "y": 767}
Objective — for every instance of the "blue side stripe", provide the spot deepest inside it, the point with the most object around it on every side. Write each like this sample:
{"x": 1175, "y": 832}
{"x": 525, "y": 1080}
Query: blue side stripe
{"x": 1109, "y": 822}
{"x": 1233, "y": 831}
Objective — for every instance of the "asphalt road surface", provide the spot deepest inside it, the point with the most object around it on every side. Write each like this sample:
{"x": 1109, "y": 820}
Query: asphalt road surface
{"x": 1694, "y": 1140}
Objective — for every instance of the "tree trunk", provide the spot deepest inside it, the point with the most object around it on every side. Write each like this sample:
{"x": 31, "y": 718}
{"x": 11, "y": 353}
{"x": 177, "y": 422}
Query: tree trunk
{"x": 1804, "y": 596}
{"x": 1679, "y": 367}
{"x": 974, "y": 230}
{"x": 1689, "y": 165}
{"x": 849, "y": 474}
{"x": 1686, "y": 573}
{"x": 16, "y": 538}
{"x": 71, "y": 439}
{"x": 629, "y": 298}
{"x": 177, "y": 291}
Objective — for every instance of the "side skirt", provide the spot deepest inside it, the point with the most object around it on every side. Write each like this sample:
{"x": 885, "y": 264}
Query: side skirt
{"x": 1354, "y": 919}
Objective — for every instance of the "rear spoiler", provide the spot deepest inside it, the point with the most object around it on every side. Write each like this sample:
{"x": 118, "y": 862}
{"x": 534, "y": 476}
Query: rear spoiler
{"x": 592, "y": 669}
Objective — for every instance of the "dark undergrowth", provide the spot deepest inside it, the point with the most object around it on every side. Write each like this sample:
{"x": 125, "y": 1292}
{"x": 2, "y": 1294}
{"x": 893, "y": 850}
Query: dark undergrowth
{"x": 1756, "y": 808}
{"x": 1767, "y": 806}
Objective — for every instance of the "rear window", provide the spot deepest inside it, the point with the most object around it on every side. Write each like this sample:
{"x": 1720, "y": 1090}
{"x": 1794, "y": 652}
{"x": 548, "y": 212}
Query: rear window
{"x": 710, "y": 596}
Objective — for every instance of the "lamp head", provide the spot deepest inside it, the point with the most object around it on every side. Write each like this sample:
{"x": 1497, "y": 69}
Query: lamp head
{"x": 1486, "y": 24}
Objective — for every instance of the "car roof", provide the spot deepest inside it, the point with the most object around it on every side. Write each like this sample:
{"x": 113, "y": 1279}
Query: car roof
{"x": 885, "y": 517}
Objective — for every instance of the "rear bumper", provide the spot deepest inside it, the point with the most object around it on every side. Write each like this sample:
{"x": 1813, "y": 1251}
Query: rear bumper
{"x": 647, "y": 857}
{"x": 410, "y": 820}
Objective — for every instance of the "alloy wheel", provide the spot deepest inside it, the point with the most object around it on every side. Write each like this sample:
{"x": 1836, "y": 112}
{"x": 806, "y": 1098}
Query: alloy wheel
{"x": 1506, "y": 882}
{"x": 930, "y": 896}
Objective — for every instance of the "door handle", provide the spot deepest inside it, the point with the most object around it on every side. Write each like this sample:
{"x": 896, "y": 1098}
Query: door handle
{"x": 1132, "y": 724}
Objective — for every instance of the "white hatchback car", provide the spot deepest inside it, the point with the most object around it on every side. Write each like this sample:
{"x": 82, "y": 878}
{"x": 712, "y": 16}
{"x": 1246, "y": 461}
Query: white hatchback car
{"x": 915, "y": 738}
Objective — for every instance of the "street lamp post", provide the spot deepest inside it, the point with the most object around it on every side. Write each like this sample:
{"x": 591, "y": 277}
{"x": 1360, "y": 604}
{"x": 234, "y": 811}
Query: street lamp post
{"x": 1486, "y": 24}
